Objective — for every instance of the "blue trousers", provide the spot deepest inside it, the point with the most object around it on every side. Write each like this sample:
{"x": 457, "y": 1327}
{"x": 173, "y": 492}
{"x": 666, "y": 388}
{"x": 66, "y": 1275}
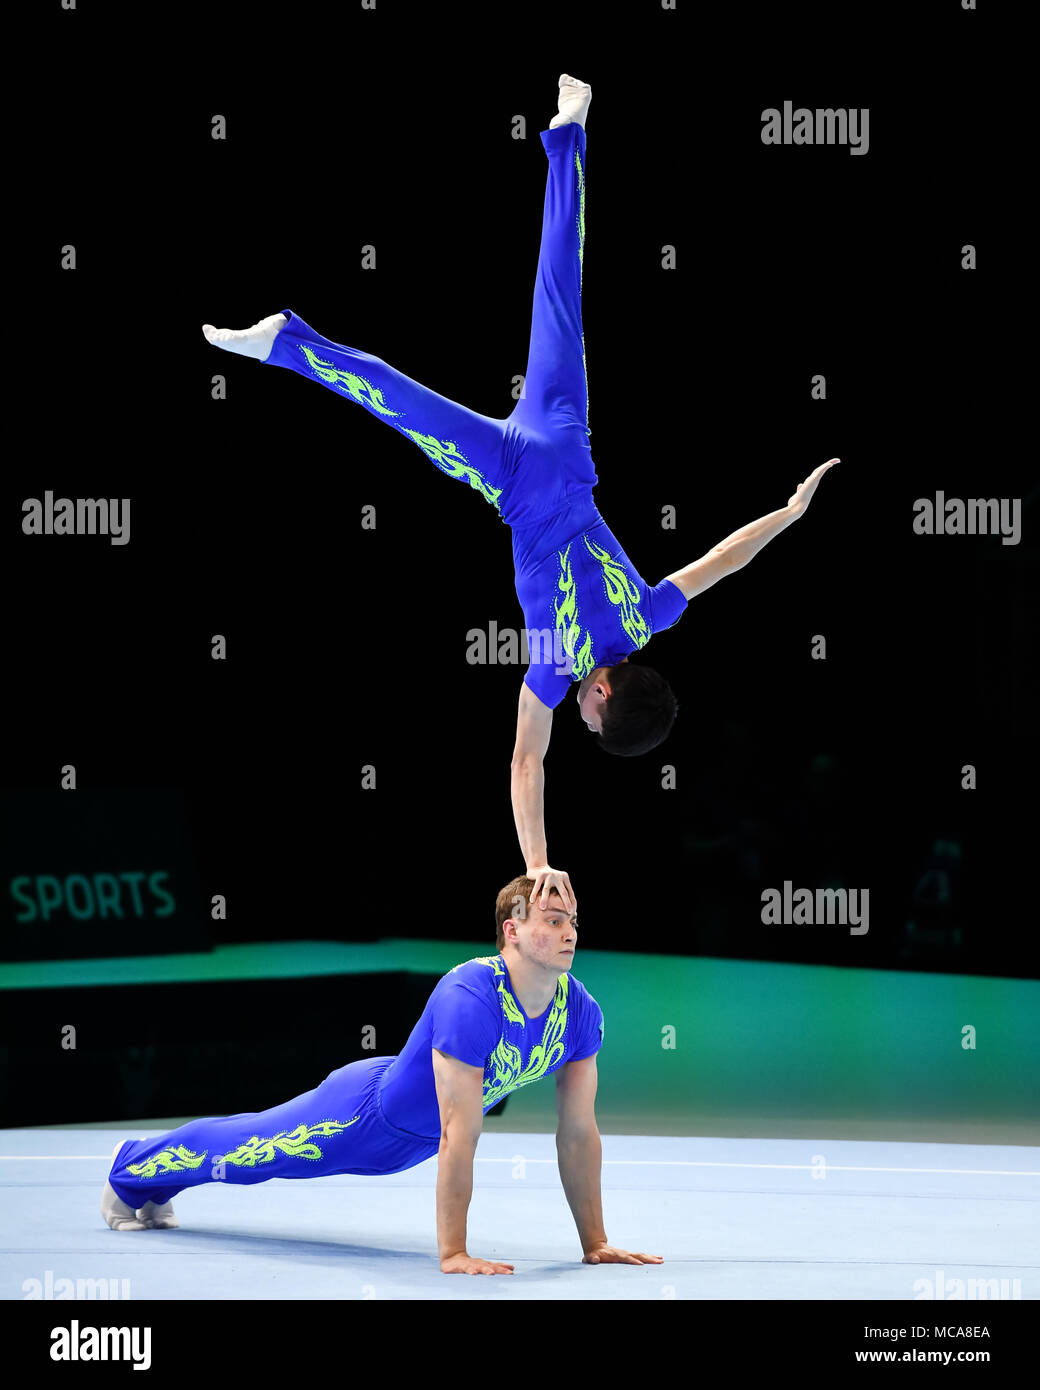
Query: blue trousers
{"x": 527, "y": 464}
{"x": 339, "y": 1127}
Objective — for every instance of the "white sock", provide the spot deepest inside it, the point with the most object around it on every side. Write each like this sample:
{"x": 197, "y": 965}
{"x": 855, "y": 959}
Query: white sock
{"x": 158, "y": 1218}
{"x": 123, "y": 1218}
{"x": 117, "y": 1214}
{"x": 574, "y": 99}
{"x": 247, "y": 342}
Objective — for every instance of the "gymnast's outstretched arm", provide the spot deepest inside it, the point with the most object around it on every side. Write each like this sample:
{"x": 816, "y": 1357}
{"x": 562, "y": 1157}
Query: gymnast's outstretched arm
{"x": 527, "y": 788}
{"x": 737, "y": 549}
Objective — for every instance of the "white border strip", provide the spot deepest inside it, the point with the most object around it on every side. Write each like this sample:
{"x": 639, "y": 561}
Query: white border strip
{"x": 631, "y": 1163}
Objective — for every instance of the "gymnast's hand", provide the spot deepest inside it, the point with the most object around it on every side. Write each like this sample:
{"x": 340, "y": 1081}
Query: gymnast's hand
{"x": 610, "y": 1255}
{"x": 804, "y": 491}
{"x": 469, "y": 1264}
{"x": 545, "y": 881}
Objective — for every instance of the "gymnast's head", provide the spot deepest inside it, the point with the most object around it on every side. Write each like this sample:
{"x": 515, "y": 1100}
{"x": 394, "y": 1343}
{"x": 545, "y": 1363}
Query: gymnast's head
{"x": 547, "y": 935}
{"x": 631, "y": 708}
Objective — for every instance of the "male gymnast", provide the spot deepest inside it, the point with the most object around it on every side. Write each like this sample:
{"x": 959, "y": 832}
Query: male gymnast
{"x": 491, "y": 1025}
{"x": 585, "y": 606}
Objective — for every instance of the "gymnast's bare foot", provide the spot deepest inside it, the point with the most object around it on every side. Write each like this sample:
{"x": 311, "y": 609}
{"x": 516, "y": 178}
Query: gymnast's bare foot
{"x": 254, "y": 342}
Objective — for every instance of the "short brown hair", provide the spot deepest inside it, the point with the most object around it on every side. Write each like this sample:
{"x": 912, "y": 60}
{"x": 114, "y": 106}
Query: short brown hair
{"x": 508, "y": 904}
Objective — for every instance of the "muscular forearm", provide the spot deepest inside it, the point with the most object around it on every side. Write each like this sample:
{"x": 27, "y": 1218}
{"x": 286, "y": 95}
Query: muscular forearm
{"x": 739, "y": 547}
{"x": 454, "y": 1190}
{"x": 580, "y": 1159}
{"x": 527, "y": 785}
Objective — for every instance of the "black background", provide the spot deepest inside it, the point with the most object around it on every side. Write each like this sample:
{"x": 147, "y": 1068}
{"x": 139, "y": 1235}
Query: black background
{"x": 347, "y": 647}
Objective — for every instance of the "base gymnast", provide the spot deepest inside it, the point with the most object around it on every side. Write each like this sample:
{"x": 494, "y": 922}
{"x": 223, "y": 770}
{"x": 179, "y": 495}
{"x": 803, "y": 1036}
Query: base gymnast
{"x": 491, "y": 1025}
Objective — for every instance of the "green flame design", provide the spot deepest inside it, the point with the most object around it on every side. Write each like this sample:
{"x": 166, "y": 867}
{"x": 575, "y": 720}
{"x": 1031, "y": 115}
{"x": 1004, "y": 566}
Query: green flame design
{"x": 623, "y": 593}
{"x": 504, "y": 1072}
{"x": 292, "y": 1142}
{"x": 166, "y": 1161}
{"x": 349, "y": 382}
{"x": 445, "y": 454}
{"x": 581, "y": 213}
{"x": 509, "y": 1004}
{"x": 567, "y": 621}
{"x": 581, "y": 270}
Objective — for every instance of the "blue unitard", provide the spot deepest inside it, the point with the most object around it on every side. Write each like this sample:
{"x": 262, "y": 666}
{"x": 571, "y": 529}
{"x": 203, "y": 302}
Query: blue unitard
{"x": 584, "y": 604}
{"x": 378, "y": 1115}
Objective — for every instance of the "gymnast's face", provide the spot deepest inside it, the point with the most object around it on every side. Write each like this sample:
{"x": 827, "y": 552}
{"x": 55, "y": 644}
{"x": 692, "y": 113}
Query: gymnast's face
{"x": 592, "y": 697}
{"x": 546, "y": 935}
